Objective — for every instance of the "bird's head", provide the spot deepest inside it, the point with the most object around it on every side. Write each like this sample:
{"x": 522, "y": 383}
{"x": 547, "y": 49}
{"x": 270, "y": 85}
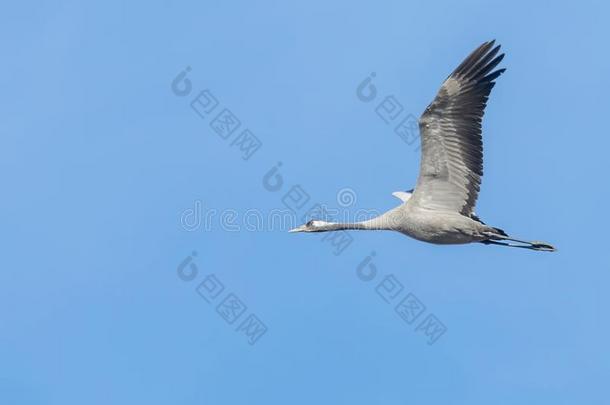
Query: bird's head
{"x": 312, "y": 226}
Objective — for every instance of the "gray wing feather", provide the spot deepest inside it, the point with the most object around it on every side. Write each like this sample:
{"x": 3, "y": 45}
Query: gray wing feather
{"x": 452, "y": 149}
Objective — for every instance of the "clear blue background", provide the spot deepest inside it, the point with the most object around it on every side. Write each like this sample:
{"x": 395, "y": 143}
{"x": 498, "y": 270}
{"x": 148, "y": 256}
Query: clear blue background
{"x": 99, "y": 159}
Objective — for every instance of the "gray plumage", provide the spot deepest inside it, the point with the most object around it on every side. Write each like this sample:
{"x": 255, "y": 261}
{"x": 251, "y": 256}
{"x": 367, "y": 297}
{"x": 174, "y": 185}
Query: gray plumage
{"x": 441, "y": 207}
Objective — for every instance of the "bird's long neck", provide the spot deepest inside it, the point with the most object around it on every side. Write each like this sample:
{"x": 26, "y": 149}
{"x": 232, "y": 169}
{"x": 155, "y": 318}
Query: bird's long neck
{"x": 382, "y": 222}
{"x": 339, "y": 226}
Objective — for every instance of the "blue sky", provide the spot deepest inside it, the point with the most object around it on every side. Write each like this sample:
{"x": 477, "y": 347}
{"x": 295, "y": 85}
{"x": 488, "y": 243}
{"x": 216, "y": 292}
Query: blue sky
{"x": 103, "y": 166}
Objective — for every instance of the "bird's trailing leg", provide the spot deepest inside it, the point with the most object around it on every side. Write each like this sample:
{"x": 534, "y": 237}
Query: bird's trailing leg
{"x": 540, "y": 246}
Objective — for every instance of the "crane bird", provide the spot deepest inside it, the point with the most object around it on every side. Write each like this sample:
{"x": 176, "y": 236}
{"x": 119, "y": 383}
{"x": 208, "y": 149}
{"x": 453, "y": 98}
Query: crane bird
{"x": 440, "y": 209}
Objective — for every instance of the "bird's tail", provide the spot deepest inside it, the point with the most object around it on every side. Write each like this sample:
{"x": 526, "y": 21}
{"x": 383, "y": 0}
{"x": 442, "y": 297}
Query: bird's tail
{"x": 499, "y": 237}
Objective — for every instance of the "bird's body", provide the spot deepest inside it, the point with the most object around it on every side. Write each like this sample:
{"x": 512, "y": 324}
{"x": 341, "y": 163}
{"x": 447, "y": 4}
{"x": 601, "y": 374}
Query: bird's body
{"x": 443, "y": 228}
{"x": 440, "y": 209}
{"x": 440, "y": 227}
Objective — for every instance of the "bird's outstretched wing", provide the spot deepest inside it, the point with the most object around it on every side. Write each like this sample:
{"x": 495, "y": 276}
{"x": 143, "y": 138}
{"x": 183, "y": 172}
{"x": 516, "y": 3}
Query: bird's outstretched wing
{"x": 452, "y": 150}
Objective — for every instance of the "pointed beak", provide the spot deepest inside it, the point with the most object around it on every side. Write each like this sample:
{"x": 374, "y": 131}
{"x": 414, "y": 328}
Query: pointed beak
{"x": 297, "y": 229}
